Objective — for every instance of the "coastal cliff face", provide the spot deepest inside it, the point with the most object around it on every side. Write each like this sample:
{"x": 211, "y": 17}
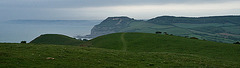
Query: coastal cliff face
{"x": 111, "y": 25}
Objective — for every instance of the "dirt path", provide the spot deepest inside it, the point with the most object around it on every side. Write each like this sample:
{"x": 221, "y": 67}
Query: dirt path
{"x": 124, "y": 42}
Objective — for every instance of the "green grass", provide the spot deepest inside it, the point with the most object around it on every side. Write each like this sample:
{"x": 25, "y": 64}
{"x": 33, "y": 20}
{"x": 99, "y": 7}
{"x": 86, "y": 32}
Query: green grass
{"x": 104, "y": 42}
{"x": 56, "y": 39}
{"x": 34, "y": 55}
{"x": 122, "y": 50}
{"x": 233, "y": 29}
{"x": 188, "y": 29}
{"x": 177, "y": 31}
{"x": 144, "y": 27}
{"x": 145, "y": 42}
{"x": 188, "y": 25}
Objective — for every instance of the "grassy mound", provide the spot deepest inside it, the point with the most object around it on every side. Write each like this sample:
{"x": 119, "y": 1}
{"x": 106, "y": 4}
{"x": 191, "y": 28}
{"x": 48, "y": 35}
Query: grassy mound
{"x": 37, "y": 55}
{"x": 145, "y": 42}
{"x": 56, "y": 39}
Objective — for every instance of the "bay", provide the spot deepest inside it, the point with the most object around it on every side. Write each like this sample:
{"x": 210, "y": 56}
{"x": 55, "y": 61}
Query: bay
{"x": 15, "y": 31}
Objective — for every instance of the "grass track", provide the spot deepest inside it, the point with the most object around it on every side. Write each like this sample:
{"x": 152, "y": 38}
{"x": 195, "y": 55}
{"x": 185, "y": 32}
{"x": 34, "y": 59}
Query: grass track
{"x": 124, "y": 42}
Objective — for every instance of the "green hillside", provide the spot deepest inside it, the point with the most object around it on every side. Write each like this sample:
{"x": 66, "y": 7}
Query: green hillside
{"x": 216, "y": 28}
{"x": 56, "y": 39}
{"x": 219, "y": 32}
{"x": 199, "y": 20}
{"x": 146, "y": 42}
{"x": 37, "y": 55}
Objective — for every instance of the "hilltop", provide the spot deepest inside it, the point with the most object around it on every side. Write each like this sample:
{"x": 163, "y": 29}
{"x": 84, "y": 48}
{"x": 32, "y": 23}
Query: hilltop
{"x": 56, "y": 39}
{"x": 215, "y": 28}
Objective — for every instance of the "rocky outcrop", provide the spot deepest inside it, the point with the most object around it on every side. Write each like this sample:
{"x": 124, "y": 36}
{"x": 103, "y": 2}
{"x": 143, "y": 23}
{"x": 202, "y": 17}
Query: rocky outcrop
{"x": 110, "y": 25}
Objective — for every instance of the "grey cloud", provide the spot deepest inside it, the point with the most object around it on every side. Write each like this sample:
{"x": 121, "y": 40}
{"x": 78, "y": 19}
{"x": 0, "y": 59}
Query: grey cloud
{"x": 45, "y": 9}
{"x": 94, "y": 3}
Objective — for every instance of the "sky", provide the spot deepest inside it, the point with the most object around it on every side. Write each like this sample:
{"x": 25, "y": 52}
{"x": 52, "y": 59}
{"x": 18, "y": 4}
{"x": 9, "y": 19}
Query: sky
{"x": 101, "y": 9}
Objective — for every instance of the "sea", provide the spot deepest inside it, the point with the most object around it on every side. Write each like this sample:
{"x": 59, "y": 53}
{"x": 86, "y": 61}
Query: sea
{"x": 15, "y": 31}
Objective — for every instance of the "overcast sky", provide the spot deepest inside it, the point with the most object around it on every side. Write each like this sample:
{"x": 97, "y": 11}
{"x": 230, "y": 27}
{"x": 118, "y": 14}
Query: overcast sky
{"x": 101, "y": 9}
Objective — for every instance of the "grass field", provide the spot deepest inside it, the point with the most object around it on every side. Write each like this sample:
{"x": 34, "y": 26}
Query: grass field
{"x": 32, "y": 55}
{"x": 122, "y": 50}
{"x": 145, "y": 42}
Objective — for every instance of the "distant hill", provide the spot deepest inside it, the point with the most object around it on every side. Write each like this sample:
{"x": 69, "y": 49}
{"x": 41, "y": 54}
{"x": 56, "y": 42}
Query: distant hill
{"x": 146, "y": 42}
{"x": 215, "y": 28}
{"x": 196, "y": 20}
{"x": 56, "y": 39}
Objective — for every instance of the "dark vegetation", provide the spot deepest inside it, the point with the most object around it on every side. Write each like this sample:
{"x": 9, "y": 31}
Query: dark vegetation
{"x": 23, "y": 41}
{"x": 84, "y": 40}
{"x": 193, "y": 38}
{"x": 236, "y": 43}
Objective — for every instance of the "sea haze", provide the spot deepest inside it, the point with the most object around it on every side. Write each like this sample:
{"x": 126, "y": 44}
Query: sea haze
{"x": 15, "y": 31}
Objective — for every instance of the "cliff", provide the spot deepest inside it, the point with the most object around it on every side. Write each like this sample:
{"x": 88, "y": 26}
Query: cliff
{"x": 110, "y": 25}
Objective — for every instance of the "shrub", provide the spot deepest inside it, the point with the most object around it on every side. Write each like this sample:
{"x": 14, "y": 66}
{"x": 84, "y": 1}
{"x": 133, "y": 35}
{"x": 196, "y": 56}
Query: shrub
{"x": 158, "y": 32}
{"x": 165, "y": 33}
{"x": 23, "y": 41}
{"x": 236, "y": 43}
{"x": 84, "y": 40}
{"x": 193, "y": 38}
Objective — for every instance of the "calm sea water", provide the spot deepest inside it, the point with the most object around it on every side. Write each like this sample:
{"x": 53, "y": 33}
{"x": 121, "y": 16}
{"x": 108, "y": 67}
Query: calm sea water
{"x": 26, "y": 30}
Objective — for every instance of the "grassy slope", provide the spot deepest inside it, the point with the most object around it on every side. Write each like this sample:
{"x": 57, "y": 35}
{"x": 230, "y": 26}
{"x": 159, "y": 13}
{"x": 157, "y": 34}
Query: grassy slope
{"x": 56, "y": 39}
{"x": 204, "y": 31}
{"x": 32, "y": 55}
{"x": 145, "y": 42}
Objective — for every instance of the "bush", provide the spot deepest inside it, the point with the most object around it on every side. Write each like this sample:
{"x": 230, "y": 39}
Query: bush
{"x": 236, "y": 43}
{"x": 165, "y": 33}
{"x": 23, "y": 41}
{"x": 193, "y": 38}
{"x": 84, "y": 40}
{"x": 151, "y": 64}
{"x": 158, "y": 32}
